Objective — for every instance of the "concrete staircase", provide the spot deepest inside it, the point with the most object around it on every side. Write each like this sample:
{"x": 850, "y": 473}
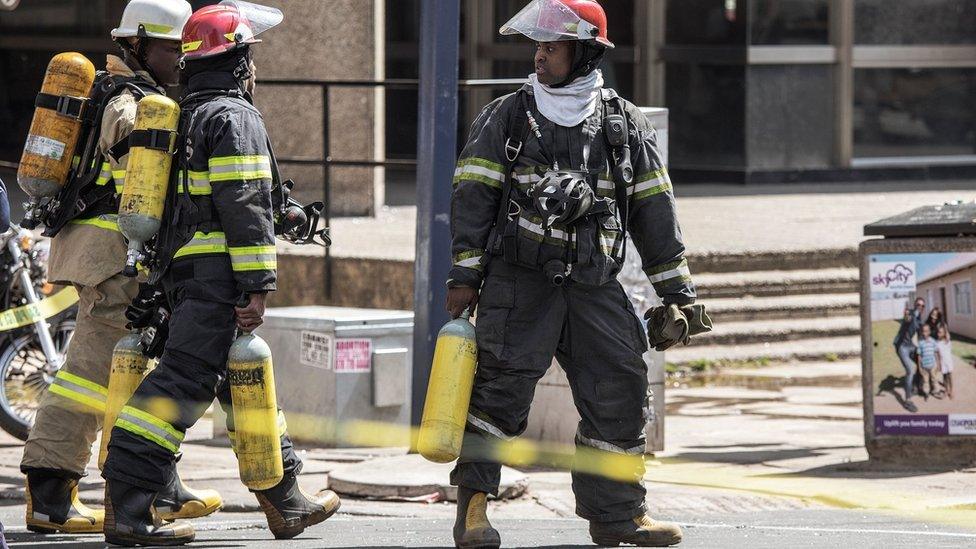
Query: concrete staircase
{"x": 797, "y": 313}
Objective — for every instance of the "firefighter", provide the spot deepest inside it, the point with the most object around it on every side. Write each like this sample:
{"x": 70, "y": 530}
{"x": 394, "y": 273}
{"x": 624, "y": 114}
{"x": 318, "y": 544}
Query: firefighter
{"x": 549, "y": 184}
{"x": 88, "y": 251}
{"x": 216, "y": 246}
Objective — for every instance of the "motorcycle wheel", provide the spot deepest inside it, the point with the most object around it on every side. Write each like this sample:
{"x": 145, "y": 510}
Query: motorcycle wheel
{"x": 26, "y": 375}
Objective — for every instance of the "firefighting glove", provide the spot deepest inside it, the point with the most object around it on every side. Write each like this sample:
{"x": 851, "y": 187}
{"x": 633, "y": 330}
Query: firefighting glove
{"x": 140, "y": 312}
{"x": 668, "y": 325}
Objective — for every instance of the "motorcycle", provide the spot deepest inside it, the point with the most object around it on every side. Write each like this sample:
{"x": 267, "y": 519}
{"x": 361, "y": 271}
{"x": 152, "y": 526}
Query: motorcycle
{"x": 37, "y": 321}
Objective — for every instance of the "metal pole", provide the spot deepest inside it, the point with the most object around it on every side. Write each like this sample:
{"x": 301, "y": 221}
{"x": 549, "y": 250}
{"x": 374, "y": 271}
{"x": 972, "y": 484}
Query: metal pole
{"x": 436, "y": 149}
{"x": 327, "y": 185}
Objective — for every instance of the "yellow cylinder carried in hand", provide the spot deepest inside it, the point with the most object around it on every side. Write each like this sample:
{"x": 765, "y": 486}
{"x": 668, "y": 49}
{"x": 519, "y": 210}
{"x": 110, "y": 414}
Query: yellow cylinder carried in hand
{"x": 129, "y": 367}
{"x": 256, "y": 431}
{"x": 56, "y": 127}
{"x": 151, "y": 147}
{"x": 449, "y": 392}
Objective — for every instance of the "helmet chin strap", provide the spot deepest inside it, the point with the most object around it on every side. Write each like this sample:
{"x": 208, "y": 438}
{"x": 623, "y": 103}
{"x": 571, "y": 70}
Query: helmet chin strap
{"x": 586, "y": 59}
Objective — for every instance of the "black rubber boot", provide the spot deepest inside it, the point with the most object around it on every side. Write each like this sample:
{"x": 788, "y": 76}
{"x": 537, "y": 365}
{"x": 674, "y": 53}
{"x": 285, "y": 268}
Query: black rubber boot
{"x": 642, "y": 531}
{"x": 471, "y": 528}
{"x": 131, "y": 520}
{"x": 290, "y": 510}
{"x": 179, "y": 501}
{"x": 53, "y": 506}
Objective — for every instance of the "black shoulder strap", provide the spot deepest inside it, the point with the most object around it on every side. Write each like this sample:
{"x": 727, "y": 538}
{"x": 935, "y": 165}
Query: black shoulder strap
{"x": 518, "y": 132}
{"x": 620, "y": 155}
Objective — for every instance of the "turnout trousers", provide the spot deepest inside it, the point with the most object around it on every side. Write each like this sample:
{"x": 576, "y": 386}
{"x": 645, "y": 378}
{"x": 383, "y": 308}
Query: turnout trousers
{"x": 146, "y": 440}
{"x": 71, "y": 411}
{"x": 523, "y": 321}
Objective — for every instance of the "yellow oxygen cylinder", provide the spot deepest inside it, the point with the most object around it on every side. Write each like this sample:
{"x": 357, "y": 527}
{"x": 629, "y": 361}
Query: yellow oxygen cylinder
{"x": 129, "y": 367}
{"x": 449, "y": 391}
{"x": 256, "y": 434}
{"x": 151, "y": 147}
{"x": 56, "y": 126}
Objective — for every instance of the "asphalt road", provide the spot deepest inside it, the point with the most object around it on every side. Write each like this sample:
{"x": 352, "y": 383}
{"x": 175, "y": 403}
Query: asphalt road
{"x": 783, "y": 529}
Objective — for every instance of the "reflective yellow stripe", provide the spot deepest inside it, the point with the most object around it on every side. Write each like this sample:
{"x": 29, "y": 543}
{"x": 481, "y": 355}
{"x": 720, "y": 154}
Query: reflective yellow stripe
{"x": 234, "y": 168}
{"x": 157, "y": 28}
{"x": 150, "y": 427}
{"x": 253, "y": 258}
{"x": 191, "y": 46}
{"x": 90, "y": 385}
{"x": 106, "y": 174}
{"x": 204, "y": 243}
{"x": 107, "y": 221}
{"x": 98, "y": 405}
{"x": 80, "y": 390}
{"x": 147, "y": 434}
{"x": 197, "y": 182}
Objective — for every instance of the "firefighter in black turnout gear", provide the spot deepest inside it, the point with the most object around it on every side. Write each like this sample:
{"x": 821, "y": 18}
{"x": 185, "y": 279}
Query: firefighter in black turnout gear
{"x": 550, "y": 182}
{"x": 216, "y": 245}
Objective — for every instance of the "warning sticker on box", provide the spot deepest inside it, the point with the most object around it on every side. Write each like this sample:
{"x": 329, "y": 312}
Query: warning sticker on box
{"x": 317, "y": 349}
{"x": 353, "y": 355}
{"x": 42, "y": 146}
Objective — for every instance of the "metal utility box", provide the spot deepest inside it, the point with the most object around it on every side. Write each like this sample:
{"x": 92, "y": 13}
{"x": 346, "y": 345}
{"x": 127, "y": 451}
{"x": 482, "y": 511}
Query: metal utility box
{"x": 334, "y": 365}
{"x": 926, "y": 261}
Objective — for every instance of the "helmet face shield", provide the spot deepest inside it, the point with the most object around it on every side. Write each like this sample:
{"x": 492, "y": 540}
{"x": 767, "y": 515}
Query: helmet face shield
{"x": 259, "y": 18}
{"x": 550, "y": 21}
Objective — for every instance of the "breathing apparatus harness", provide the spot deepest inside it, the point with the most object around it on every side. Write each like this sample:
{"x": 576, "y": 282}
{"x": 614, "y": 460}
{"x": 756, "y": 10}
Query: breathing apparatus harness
{"x": 82, "y": 195}
{"x": 561, "y": 196}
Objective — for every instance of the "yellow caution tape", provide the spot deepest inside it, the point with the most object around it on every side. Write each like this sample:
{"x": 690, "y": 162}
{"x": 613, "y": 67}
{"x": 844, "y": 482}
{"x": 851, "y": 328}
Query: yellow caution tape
{"x": 33, "y": 312}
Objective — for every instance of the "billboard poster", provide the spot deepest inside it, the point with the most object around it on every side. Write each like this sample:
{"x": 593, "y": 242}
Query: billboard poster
{"x": 923, "y": 326}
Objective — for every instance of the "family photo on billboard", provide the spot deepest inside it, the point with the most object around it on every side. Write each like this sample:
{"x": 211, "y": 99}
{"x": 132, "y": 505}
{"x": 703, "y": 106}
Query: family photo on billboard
{"x": 923, "y": 330}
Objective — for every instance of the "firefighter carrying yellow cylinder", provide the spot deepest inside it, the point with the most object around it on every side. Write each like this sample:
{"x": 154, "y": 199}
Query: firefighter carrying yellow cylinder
{"x": 151, "y": 147}
{"x": 56, "y": 127}
{"x": 449, "y": 391}
{"x": 129, "y": 366}
{"x": 256, "y": 434}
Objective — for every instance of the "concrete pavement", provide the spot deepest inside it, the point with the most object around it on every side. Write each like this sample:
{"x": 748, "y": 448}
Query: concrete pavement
{"x": 781, "y": 465}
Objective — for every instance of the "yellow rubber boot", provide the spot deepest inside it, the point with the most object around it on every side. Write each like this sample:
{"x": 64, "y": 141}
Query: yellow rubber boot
{"x": 179, "y": 501}
{"x": 53, "y": 506}
{"x": 642, "y": 531}
{"x": 472, "y": 529}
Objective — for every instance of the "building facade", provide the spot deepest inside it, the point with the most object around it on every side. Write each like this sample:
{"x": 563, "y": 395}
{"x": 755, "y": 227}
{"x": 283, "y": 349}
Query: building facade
{"x": 759, "y": 90}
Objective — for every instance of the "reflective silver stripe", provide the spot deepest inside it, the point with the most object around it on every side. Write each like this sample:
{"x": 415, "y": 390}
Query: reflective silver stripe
{"x": 680, "y": 271}
{"x": 606, "y": 446}
{"x": 537, "y": 229}
{"x": 487, "y": 428}
{"x": 198, "y": 183}
{"x": 158, "y": 435}
{"x": 232, "y": 168}
{"x": 471, "y": 262}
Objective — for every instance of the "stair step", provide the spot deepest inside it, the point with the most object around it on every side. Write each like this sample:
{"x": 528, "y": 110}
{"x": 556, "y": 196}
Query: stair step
{"x": 772, "y": 260}
{"x": 774, "y": 283}
{"x": 780, "y": 307}
{"x": 768, "y": 331}
{"x": 820, "y": 349}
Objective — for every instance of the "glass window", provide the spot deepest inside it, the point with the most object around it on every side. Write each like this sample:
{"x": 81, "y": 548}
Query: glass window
{"x": 915, "y": 22}
{"x": 92, "y": 18}
{"x": 790, "y": 22}
{"x": 706, "y": 22}
{"x": 914, "y": 112}
{"x": 963, "y": 293}
{"x": 707, "y": 125}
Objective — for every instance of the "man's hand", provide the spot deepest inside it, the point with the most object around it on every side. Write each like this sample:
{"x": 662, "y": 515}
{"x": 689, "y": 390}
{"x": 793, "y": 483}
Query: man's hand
{"x": 251, "y": 316}
{"x": 460, "y": 298}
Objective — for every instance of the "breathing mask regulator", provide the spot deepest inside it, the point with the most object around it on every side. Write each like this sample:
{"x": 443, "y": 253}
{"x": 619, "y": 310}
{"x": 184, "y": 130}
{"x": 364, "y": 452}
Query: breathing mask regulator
{"x": 294, "y": 222}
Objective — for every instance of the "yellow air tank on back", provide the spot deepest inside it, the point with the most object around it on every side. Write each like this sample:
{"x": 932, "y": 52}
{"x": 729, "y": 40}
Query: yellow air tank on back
{"x": 129, "y": 367}
{"x": 56, "y": 126}
{"x": 449, "y": 391}
{"x": 151, "y": 147}
{"x": 256, "y": 434}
